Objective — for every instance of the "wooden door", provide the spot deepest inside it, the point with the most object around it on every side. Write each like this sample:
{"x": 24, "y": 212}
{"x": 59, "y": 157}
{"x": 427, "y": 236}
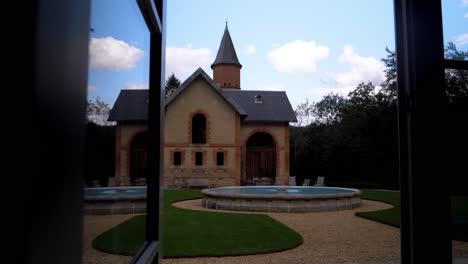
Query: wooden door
{"x": 260, "y": 162}
{"x": 139, "y": 162}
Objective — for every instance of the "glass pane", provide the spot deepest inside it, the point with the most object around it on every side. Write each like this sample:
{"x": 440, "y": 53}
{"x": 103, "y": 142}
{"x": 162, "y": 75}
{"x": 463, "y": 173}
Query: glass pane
{"x": 457, "y": 143}
{"x": 455, "y": 27}
{"x": 293, "y": 51}
{"x": 459, "y": 228}
{"x": 116, "y": 139}
{"x": 456, "y": 88}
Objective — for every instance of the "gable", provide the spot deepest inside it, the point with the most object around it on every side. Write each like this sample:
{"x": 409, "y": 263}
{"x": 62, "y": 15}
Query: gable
{"x": 199, "y": 97}
{"x": 201, "y": 74}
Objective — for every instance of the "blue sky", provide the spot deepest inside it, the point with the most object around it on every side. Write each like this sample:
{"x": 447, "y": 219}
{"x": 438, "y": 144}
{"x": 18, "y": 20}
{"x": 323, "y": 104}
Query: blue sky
{"x": 306, "y": 48}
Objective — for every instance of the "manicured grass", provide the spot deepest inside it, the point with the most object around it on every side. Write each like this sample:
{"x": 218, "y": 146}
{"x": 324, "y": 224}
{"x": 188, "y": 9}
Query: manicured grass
{"x": 389, "y": 216}
{"x": 459, "y": 206}
{"x": 188, "y": 233}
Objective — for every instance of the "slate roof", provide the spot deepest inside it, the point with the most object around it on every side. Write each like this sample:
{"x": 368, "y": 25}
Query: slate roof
{"x": 226, "y": 52}
{"x": 132, "y": 105}
{"x": 274, "y": 108}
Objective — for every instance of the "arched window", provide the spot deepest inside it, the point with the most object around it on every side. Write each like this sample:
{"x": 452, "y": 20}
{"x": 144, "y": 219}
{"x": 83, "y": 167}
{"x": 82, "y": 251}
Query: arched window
{"x": 199, "y": 129}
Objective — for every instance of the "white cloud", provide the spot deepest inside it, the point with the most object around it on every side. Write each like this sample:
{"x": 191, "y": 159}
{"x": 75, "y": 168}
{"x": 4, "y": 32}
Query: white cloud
{"x": 464, "y": 2}
{"x": 136, "y": 86}
{"x": 251, "y": 49}
{"x": 112, "y": 54}
{"x": 466, "y": 15}
{"x": 186, "y": 60}
{"x": 297, "y": 56}
{"x": 461, "y": 39}
{"x": 363, "y": 69}
{"x": 92, "y": 89}
{"x": 319, "y": 92}
{"x": 268, "y": 87}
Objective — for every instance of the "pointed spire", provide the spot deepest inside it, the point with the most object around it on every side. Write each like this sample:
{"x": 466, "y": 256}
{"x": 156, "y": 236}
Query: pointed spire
{"x": 226, "y": 52}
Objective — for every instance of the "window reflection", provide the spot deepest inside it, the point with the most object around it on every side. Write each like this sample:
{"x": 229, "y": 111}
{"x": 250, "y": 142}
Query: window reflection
{"x": 455, "y": 23}
{"x": 116, "y": 166}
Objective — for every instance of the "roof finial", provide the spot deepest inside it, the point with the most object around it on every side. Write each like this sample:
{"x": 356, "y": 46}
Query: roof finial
{"x": 226, "y": 22}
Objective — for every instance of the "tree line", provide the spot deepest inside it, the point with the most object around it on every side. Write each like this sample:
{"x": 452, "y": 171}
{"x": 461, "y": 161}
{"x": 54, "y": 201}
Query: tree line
{"x": 353, "y": 140}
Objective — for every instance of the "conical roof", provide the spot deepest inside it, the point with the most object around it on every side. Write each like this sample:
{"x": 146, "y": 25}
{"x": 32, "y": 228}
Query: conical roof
{"x": 226, "y": 52}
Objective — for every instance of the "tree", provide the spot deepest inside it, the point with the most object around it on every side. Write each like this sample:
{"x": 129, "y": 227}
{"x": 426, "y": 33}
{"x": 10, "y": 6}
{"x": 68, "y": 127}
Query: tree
{"x": 172, "y": 84}
{"x": 99, "y": 153}
{"x": 455, "y": 129}
{"x": 353, "y": 140}
{"x": 329, "y": 108}
{"x": 389, "y": 86}
{"x": 304, "y": 113}
{"x": 97, "y": 112}
{"x": 456, "y": 80}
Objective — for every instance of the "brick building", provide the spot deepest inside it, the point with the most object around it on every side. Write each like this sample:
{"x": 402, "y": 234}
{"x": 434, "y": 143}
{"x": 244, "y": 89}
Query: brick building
{"x": 215, "y": 132}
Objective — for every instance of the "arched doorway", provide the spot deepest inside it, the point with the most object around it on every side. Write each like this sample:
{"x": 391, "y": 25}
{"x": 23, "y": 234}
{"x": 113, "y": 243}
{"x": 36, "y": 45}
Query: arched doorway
{"x": 139, "y": 170}
{"x": 260, "y": 159}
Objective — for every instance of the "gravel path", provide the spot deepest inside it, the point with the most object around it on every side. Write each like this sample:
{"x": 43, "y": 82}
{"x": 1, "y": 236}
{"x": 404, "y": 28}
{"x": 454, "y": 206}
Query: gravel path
{"x": 95, "y": 225}
{"x": 329, "y": 238}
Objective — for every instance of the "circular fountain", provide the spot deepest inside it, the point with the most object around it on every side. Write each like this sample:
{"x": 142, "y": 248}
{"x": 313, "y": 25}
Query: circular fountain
{"x": 114, "y": 200}
{"x": 291, "y": 199}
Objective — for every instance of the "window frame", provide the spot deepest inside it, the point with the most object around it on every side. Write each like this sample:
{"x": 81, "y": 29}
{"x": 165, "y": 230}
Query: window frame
{"x": 195, "y": 133}
{"x": 154, "y": 14}
{"x": 198, "y": 153}
{"x": 420, "y": 90}
{"x": 217, "y": 159}
{"x": 174, "y": 158}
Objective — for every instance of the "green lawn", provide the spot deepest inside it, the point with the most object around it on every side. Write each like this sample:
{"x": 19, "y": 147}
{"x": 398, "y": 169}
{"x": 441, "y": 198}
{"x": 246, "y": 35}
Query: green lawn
{"x": 459, "y": 206}
{"x": 389, "y": 216}
{"x": 188, "y": 233}
{"x": 460, "y": 213}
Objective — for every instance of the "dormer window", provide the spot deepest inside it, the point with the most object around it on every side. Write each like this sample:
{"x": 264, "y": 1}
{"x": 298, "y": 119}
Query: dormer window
{"x": 258, "y": 99}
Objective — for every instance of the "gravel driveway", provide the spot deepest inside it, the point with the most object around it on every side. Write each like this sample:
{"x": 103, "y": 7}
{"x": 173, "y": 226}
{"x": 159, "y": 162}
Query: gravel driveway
{"x": 329, "y": 237}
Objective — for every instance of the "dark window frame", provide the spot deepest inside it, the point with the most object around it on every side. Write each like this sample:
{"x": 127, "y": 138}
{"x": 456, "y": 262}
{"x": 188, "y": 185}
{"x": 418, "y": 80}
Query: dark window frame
{"x": 199, "y": 128}
{"x": 154, "y": 13}
{"x": 177, "y": 158}
{"x": 420, "y": 73}
{"x": 199, "y": 158}
{"x": 218, "y": 159}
